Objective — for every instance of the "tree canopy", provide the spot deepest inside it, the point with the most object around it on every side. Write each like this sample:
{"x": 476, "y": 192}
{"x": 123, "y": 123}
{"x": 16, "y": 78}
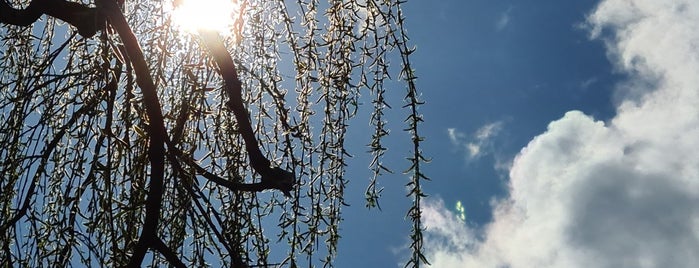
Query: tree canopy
{"x": 122, "y": 135}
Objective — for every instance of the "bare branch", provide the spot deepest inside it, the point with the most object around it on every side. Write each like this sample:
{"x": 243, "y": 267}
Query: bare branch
{"x": 156, "y": 147}
{"x": 276, "y": 177}
{"x": 87, "y": 20}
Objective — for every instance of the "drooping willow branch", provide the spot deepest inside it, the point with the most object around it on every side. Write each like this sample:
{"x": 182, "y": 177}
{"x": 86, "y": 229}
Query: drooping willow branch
{"x": 48, "y": 150}
{"x": 90, "y": 20}
{"x": 336, "y": 53}
{"x": 86, "y": 20}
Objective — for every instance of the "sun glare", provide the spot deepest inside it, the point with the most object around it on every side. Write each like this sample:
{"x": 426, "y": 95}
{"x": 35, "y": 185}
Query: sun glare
{"x": 214, "y": 15}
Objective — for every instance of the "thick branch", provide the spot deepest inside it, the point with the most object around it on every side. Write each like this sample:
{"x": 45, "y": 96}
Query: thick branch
{"x": 87, "y": 20}
{"x": 276, "y": 177}
{"x": 169, "y": 255}
{"x": 156, "y": 146}
{"x": 232, "y": 185}
{"x": 233, "y": 89}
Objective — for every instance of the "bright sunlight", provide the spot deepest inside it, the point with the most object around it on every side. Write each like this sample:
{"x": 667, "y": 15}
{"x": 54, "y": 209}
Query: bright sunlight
{"x": 215, "y": 15}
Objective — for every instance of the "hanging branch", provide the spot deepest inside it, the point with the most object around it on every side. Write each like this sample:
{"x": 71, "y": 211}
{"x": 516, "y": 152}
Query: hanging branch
{"x": 337, "y": 49}
{"x": 88, "y": 21}
{"x": 418, "y": 158}
{"x": 272, "y": 177}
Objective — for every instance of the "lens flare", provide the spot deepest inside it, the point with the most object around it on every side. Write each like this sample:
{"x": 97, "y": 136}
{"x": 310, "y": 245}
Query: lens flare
{"x": 460, "y": 211}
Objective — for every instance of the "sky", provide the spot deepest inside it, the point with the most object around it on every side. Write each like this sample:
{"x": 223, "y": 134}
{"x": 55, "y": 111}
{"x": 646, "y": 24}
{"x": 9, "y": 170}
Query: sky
{"x": 562, "y": 134}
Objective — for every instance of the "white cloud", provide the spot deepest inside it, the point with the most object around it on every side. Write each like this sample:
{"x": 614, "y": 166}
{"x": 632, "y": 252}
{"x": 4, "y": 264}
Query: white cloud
{"x": 592, "y": 194}
{"x": 455, "y": 136}
{"x": 585, "y": 84}
{"x": 489, "y": 130}
{"x": 503, "y": 20}
{"x": 474, "y": 150}
{"x": 481, "y": 140}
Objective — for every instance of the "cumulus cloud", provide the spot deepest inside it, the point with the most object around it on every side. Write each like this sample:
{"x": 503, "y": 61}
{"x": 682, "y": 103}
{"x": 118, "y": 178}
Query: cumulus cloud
{"x": 586, "y": 193}
{"x": 481, "y": 139}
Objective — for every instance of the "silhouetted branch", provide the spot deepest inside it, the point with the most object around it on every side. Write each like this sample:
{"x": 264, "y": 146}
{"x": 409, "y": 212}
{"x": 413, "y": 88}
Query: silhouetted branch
{"x": 275, "y": 177}
{"x": 169, "y": 255}
{"x": 233, "y": 251}
{"x": 86, "y": 19}
{"x": 233, "y": 184}
{"x": 156, "y": 146}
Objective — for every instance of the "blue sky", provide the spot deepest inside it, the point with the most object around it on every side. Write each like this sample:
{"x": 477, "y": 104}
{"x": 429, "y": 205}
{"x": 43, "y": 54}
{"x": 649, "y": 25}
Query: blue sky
{"x": 562, "y": 134}
{"x": 567, "y": 130}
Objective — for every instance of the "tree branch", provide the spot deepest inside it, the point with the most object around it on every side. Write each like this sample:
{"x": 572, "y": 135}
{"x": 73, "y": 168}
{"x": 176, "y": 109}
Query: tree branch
{"x": 88, "y": 21}
{"x": 233, "y": 251}
{"x": 169, "y": 255}
{"x": 85, "y": 19}
{"x": 156, "y": 146}
{"x": 276, "y": 177}
{"x": 230, "y": 184}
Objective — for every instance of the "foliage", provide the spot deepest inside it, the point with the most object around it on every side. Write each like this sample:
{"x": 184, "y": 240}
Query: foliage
{"x": 78, "y": 131}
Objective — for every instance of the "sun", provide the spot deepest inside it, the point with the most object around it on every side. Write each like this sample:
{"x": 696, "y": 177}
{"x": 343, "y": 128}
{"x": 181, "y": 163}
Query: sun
{"x": 211, "y": 15}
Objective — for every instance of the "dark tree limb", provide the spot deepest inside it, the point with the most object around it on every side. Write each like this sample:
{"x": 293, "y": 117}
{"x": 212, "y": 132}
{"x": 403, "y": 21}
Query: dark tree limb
{"x": 169, "y": 255}
{"x": 157, "y": 134}
{"x": 158, "y": 138}
{"x": 275, "y": 177}
{"x": 230, "y": 184}
{"x": 85, "y": 19}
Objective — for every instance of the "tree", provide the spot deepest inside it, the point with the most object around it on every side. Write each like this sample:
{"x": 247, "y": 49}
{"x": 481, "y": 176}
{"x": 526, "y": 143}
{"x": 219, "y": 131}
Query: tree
{"x": 122, "y": 135}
